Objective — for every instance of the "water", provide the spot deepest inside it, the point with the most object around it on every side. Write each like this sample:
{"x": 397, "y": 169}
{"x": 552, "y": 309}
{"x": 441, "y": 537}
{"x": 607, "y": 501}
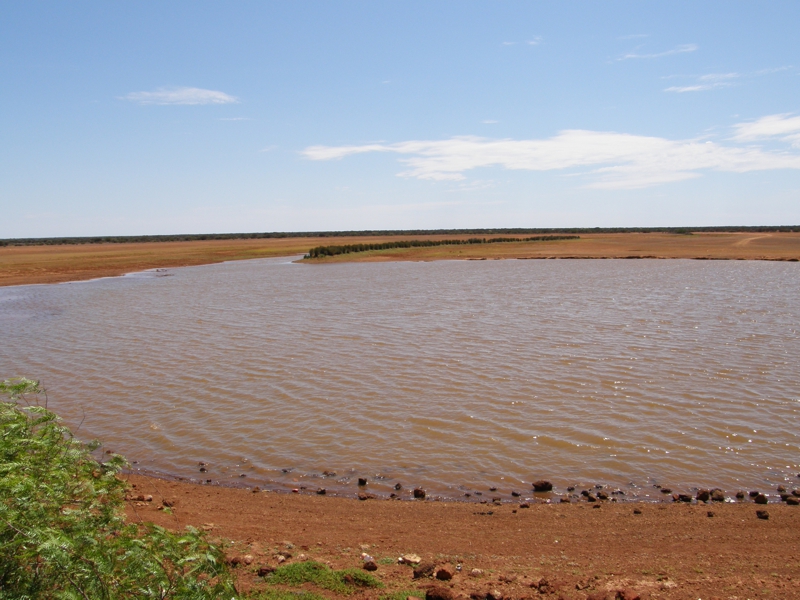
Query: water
{"x": 454, "y": 375}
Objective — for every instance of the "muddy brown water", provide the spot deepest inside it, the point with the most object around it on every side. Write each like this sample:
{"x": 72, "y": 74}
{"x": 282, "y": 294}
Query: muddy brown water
{"x": 456, "y": 376}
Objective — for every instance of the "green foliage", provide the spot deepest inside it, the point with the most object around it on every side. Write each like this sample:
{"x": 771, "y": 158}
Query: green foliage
{"x": 62, "y": 527}
{"x": 322, "y": 576}
{"x": 273, "y": 594}
{"x": 321, "y": 251}
{"x": 402, "y": 595}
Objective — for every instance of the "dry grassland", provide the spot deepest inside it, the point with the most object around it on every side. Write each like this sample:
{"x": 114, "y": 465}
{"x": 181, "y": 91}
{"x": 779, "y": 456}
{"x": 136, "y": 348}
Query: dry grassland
{"x": 53, "y": 264}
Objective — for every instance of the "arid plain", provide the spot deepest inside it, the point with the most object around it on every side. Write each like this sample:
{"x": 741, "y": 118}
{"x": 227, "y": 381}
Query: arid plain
{"x": 20, "y": 265}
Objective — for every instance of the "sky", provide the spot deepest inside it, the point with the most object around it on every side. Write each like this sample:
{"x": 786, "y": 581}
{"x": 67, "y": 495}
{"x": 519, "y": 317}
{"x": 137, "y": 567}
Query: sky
{"x": 129, "y": 118}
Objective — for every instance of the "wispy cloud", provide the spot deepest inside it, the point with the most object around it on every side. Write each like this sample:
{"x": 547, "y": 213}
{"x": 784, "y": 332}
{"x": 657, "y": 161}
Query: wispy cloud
{"x": 711, "y": 81}
{"x": 784, "y": 127}
{"x": 534, "y": 41}
{"x": 715, "y": 81}
{"x": 614, "y": 160}
{"x": 181, "y": 95}
{"x": 489, "y": 121}
{"x": 683, "y": 48}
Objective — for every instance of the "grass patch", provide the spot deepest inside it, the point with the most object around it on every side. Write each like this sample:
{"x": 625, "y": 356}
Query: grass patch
{"x": 402, "y": 595}
{"x": 285, "y": 595}
{"x": 322, "y": 576}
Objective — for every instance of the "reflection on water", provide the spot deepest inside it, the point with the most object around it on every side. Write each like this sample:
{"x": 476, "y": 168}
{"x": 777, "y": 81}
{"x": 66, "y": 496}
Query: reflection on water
{"x": 454, "y": 375}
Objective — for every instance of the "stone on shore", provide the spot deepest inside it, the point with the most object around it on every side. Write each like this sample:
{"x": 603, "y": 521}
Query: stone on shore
{"x": 424, "y": 569}
{"x": 762, "y": 514}
{"x": 445, "y": 573}
{"x": 761, "y": 499}
{"x": 438, "y": 592}
{"x": 542, "y": 486}
{"x": 703, "y": 496}
{"x": 419, "y": 493}
{"x": 717, "y": 495}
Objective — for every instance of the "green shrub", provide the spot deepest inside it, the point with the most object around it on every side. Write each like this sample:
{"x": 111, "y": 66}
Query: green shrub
{"x": 342, "y": 582}
{"x": 62, "y": 528}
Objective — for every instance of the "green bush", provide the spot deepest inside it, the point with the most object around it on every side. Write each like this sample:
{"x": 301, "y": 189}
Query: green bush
{"x": 62, "y": 527}
{"x": 322, "y": 576}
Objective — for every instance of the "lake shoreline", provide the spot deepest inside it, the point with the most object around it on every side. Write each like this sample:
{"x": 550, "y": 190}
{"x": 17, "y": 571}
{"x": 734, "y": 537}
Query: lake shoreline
{"x": 571, "y": 551}
{"x": 24, "y": 265}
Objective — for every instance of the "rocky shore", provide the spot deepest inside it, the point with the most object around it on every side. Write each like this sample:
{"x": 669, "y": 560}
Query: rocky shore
{"x": 708, "y": 544}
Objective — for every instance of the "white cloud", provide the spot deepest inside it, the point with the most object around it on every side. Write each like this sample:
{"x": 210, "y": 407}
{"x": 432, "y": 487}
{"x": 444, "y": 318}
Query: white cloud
{"x": 613, "y": 160}
{"x": 489, "y": 121}
{"x": 535, "y": 40}
{"x": 676, "y": 50}
{"x": 181, "y": 95}
{"x": 712, "y": 81}
{"x": 784, "y": 126}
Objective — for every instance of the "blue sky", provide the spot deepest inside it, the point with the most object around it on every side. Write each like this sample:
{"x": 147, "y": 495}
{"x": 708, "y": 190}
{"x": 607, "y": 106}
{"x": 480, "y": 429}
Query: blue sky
{"x": 177, "y": 117}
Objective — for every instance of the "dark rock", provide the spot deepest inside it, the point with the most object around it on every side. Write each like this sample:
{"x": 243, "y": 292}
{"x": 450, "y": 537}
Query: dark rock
{"x": 542, "y": 486}
{"x": 571, "y": 488}
{"x": 564, "y": 500}
{"x": 424, "y": 569}
{"x": 784, "y": 496}
{"x": 515, "y": 494}
{"x": 796, "y": 493}
{"x": 445, "y": 573}
{"x": 761, "y": 499}
{"x": 637, "y": 511}
{"x": 703, "y": 496}
{"x": 494, "y": 595}
{"x": 754, "y": 493}
{"x": 370, "y": 565}
{"x": 242, "y": 475}
{"x": 710, "y": 513}
{"x": 169, "y": 502}
{"x": 590, "y": 498}
{"x": 544, "y": 586}
{"x": 602, "y": 495}
{"x": 363, "y": 496}
{"x": 264, "y": 571}
{"x": 666, "y": 490}
{"x": 740, "y": 495}
{"x": 792, "y": 501}
{"x": 203, "y": 469}
{"x": 398, "y": 486}
{"x": 419, "y": 493}
{"x": 781, "y": 488}
{"x": 362, "y": 482}
{"x": 438, "y": 592}
{"x": 717, "y": 495}
{"x": 524, "y": 505}
{"x": 492, "y": 489}
{"x": 762, "y": 514}
{"x": 684, "y": 497}
{"x": 627, "y": 595}
{"x": 322, "y": 491}
{"x": 596, "y": 506}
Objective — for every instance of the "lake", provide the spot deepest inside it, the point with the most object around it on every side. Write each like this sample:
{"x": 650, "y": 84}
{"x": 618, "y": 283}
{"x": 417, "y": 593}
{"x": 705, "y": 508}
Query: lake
{"x": 455, "y": 376}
